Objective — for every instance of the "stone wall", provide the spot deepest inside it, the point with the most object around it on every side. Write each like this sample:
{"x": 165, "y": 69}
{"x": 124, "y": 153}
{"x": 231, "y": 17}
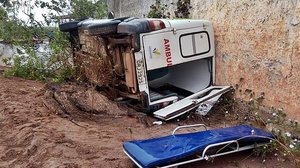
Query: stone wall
{"x": 257, "y": 46}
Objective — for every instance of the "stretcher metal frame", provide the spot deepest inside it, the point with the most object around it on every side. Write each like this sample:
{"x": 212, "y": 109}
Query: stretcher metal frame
{"x": 205, "y": 156}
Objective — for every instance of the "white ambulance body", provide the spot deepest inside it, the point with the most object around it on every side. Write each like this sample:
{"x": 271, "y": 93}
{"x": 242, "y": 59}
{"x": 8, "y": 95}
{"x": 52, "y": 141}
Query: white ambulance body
{"x": 168, "y": 65}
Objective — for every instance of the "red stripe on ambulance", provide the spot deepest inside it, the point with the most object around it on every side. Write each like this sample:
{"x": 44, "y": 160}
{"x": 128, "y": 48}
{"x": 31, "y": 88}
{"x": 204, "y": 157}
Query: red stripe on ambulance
{"x": 168, "y": 52}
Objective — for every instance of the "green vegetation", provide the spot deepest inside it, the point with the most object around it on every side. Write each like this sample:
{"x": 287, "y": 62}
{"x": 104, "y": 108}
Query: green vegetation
{"x": 57, "y": 66}
{"x": 14, "y": 31}
{"x": 28, "y": 67}
{"x": 159, "y": 10}
{"x": 85, "y": 8}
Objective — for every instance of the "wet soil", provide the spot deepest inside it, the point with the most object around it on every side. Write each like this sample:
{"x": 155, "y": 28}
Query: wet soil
{"x": 70, "y": 126}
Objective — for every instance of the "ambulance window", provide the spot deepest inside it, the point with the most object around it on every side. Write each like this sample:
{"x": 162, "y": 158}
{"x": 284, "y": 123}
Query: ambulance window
{"x": 194, "y": 44}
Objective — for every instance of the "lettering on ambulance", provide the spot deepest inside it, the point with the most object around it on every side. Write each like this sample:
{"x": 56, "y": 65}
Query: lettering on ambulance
{"x": 168, "y": 52}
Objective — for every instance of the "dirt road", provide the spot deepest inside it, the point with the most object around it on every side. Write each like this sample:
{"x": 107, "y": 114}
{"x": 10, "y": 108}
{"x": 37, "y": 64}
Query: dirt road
{"x": 32, "y": 136}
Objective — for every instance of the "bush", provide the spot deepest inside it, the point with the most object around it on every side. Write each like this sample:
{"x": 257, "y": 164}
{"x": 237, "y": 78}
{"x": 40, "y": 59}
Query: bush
{"x": 56, "y": 67}
{"x": 27, "y": 67}
{"x": 158, "y": 10}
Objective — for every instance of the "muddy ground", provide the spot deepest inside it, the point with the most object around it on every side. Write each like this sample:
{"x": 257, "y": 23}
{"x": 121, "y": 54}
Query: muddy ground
{"x": 32, "y": 134}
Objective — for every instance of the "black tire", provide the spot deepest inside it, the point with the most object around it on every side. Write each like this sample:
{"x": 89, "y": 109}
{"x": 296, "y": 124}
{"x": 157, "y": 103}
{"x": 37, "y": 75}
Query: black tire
{"x": 103, "y": 28}
{"x": 69, "y": 26}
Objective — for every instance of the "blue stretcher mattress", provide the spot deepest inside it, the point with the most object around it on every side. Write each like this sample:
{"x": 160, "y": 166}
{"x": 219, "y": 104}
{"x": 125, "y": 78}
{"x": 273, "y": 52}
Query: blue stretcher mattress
{"x": 163, "y": 150}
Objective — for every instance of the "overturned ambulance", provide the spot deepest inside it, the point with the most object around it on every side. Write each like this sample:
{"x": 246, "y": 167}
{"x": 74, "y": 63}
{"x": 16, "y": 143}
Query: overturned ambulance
{"x": 168, "y": 66}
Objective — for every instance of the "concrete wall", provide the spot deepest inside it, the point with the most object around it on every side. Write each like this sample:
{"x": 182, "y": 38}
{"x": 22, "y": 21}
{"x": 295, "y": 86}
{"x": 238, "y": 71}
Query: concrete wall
{"x": 257, "y": 46}
{"x": 6, "y": 52}
{"x": 137, "y": 8}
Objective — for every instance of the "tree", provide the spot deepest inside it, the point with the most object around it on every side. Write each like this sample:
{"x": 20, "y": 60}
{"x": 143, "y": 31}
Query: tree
{"x": 19, "y": 32}
{"x": 85, "y": 9}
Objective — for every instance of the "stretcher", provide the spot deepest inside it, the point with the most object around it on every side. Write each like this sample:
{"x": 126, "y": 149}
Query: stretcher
{"x": 180, "y": 149}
